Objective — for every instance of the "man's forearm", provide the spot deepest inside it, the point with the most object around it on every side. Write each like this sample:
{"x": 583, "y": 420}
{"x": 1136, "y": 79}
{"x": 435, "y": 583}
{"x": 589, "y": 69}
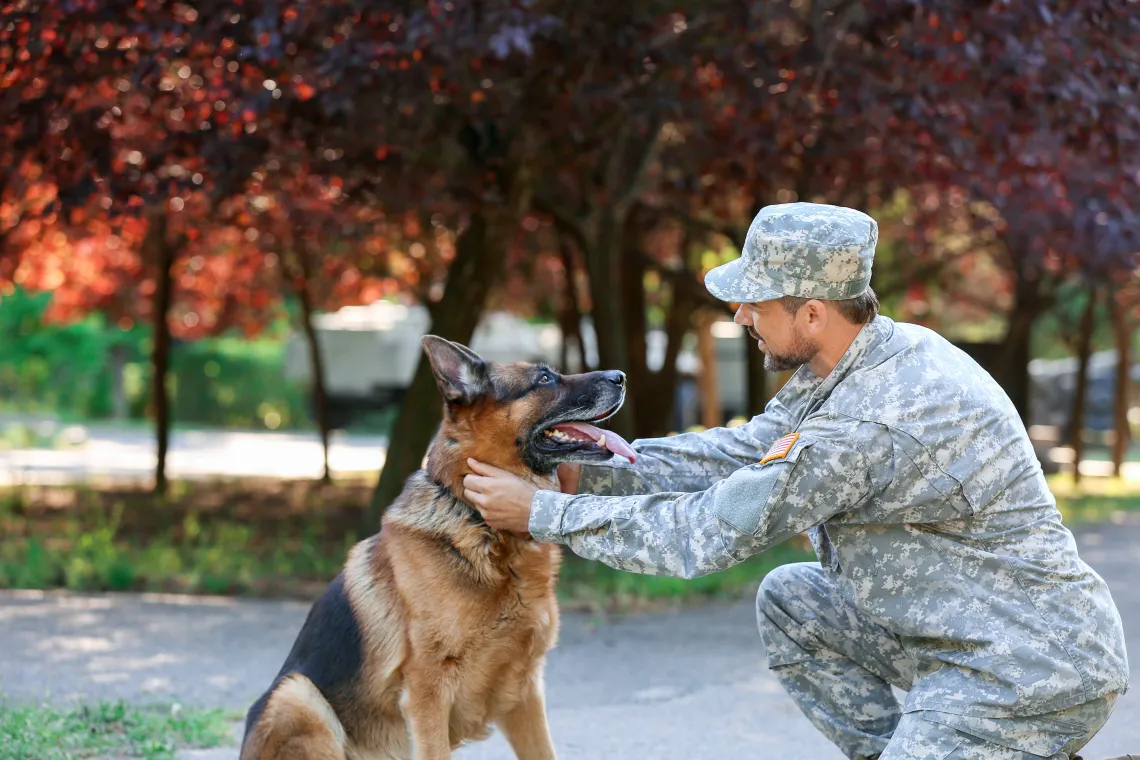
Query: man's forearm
{"x": 684, "y": 463}
{"x": 647, "y": 539}
{"x": 824, "y": 471}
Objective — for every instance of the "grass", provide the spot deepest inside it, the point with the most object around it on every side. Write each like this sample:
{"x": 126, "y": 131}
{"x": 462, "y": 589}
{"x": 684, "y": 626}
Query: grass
{"x": 1094, "y": 499}
{"x": 257, "y": 538}
{"x": 598, "y": 587}
{"x": 154, "y": 732}
{"x": 289, "y": 539}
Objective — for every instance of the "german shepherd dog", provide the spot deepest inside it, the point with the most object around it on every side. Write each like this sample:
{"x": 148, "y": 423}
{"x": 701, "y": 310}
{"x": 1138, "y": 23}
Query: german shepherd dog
{"x": 439, "y": 625}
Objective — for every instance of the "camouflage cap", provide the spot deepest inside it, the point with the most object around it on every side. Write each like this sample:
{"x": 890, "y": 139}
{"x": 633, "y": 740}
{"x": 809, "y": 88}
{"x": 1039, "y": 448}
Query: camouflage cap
{"x": 811, "y": 250}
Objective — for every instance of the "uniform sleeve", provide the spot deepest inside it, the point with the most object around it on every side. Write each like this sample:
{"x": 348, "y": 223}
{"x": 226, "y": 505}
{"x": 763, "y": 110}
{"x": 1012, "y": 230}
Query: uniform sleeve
{"x": 687, "y": 462}
{"x": 830, "y": 467}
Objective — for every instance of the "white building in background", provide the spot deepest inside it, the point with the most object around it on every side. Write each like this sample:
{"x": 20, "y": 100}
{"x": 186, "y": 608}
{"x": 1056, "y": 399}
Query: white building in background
{"x": 371, "y": 353}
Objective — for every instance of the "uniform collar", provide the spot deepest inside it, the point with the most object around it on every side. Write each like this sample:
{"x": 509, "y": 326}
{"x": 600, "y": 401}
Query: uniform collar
{"x": 804, "y": 384}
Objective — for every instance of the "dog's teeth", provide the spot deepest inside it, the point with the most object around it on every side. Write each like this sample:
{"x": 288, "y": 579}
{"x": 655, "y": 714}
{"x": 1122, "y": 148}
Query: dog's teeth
{"x": 602, "y": 442}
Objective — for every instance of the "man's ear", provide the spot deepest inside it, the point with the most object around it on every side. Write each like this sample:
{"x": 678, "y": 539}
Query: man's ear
{"x": 460, "y": 373}
{"x": 816, "y": 316}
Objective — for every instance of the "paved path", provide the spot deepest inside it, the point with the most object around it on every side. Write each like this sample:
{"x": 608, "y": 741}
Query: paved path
{"x": 127, "y": 456}
{"x": 690, "y": 684}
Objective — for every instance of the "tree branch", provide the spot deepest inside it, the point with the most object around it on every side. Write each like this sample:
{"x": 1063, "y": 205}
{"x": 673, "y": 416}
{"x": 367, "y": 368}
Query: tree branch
{"x": 684, "y": 280}
{"x": 639, "y": 184}
{"x": 733, "y": 232}
{"x": 564, "y": 217}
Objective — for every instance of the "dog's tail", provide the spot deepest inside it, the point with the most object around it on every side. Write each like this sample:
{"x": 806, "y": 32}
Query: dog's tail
{"x": 295, "y": 723}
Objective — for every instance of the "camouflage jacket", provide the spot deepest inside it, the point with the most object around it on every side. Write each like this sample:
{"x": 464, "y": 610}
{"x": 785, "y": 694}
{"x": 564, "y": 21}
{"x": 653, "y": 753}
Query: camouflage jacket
{"x": 918, "y": 486}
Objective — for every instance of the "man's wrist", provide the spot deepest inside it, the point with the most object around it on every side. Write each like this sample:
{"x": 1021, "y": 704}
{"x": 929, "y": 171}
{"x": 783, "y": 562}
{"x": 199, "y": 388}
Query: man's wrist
{"x": 546, "y": 511}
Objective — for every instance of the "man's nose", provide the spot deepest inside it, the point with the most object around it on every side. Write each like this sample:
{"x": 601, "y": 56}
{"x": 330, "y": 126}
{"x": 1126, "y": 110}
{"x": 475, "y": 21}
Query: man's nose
{"x": 740, "y": 317}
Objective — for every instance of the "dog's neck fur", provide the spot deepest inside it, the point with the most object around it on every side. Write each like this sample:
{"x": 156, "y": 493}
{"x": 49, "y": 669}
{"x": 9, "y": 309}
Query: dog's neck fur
{"x": 456, "y": 442}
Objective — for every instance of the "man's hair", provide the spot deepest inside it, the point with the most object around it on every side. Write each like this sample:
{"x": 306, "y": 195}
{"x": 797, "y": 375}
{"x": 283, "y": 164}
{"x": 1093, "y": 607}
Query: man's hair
{"x": 859, "y": 310}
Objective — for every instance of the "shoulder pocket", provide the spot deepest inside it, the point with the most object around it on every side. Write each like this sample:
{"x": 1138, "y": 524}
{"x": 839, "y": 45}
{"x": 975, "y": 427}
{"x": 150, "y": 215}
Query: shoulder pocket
{"x": 742, "y": 498}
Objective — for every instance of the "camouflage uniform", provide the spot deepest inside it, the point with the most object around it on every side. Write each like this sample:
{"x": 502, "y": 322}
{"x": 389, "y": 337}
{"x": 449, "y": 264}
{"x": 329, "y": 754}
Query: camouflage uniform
{"x": 944, "y": 568}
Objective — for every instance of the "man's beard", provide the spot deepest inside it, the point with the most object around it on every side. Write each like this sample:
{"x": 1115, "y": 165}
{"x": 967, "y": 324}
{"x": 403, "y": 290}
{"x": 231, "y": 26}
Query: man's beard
{"x": 799, "y": 353}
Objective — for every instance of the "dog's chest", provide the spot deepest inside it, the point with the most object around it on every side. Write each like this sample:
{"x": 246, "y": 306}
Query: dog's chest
{"x": 502, "y": 657}
{"x": 525, "y": 611}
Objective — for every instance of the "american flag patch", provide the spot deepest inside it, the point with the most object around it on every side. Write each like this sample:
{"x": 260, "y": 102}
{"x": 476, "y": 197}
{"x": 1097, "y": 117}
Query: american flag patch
{"x": 780, "y": 448}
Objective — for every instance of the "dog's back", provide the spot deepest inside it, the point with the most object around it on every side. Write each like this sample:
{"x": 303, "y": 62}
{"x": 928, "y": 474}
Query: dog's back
{"x": 351, "y": 638}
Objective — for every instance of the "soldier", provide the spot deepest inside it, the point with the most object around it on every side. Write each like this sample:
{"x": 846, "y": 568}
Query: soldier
{"x": 944, "y": 568}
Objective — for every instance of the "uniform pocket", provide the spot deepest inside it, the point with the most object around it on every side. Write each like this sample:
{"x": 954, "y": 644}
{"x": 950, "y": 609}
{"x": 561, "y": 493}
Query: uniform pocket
{"x": 933, "y": 494}
{"x": 1035, "y": 735}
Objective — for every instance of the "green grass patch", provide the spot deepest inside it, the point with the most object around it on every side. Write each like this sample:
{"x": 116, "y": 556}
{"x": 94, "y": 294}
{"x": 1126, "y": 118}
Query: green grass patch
{"x": 593, "y": 585}
{"x": 1094, "y": 499}
{"x": 290, "y": 539}
{"x": 256, "y": 539}
{"x": 154, "y": 732}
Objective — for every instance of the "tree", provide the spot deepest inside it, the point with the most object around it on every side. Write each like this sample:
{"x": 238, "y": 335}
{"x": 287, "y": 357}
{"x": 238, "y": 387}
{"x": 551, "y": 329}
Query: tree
{"x": 120, "y": 111}
{"x": 1020, "y": 105}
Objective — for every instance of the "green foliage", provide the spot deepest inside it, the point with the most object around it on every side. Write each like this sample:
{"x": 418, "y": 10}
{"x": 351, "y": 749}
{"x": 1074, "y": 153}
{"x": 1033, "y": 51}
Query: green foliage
{"x": 230, "y": 382}
{"x": 295, "y": 547}
{"x": 154, "y": 732}
{"x": 61, "y": 369}
{"x": 214, "y": 557}
{"x": 69, "y": 371}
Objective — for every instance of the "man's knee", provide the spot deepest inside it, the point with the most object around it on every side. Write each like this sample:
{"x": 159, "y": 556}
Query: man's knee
{"x": 785, "y": 601}
{"x": 785, "y": 589}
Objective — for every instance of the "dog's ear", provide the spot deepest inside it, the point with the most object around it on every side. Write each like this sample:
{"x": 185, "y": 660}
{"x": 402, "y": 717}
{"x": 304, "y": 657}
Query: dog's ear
{"x": 471, "y": 354}
{"x": 460, "y": 373}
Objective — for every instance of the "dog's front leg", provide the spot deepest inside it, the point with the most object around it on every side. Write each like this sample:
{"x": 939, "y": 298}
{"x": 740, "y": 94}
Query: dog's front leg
{"x": 526, "y": 728}
{"x": 426, "y": 709}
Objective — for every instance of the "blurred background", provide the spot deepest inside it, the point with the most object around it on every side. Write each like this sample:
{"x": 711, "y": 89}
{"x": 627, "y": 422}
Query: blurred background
{"x": 225, "y": 225}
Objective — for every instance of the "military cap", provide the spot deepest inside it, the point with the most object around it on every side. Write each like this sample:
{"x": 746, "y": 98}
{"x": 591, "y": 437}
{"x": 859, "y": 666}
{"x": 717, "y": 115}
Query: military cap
{"x": 810, "y": 250}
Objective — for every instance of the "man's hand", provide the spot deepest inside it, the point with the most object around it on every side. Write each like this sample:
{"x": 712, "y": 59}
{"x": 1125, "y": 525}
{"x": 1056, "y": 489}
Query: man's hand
{"x": 501, "y": 497}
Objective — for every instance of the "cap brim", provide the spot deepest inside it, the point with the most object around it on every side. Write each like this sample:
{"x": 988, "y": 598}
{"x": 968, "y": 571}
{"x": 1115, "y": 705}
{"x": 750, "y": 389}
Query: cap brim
{"x": 729, "y": 283}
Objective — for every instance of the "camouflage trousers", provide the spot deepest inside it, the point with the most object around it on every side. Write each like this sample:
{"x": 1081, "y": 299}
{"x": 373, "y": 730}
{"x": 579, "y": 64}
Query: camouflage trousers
{"x": 839, "y": 667}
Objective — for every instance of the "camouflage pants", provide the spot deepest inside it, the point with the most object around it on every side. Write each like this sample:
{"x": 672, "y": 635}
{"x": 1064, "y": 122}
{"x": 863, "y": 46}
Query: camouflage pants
{"x": 839, "y": 668}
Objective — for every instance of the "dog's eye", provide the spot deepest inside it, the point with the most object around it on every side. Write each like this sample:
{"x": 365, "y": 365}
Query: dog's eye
{"x": 545, "y": 378}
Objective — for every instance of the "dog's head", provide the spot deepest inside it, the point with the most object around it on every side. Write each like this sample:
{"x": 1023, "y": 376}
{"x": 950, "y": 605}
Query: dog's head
{"x": 523, "y": 416}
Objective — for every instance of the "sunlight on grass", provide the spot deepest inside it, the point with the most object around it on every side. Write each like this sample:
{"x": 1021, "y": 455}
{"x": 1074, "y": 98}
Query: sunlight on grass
{"x": 154, "y": 732}
{"x": 1094, "y": 499}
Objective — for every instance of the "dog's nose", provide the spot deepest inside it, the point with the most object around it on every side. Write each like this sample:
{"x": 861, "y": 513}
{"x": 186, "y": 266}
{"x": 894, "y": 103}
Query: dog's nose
{"x": 616, "y": 377}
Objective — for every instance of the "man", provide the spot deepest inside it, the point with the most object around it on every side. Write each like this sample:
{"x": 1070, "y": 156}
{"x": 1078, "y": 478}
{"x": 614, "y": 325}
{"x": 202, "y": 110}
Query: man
{"x": 943, "y": 569}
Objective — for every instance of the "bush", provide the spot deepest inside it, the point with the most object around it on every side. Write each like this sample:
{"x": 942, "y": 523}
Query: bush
{"x": 71, "y": 372}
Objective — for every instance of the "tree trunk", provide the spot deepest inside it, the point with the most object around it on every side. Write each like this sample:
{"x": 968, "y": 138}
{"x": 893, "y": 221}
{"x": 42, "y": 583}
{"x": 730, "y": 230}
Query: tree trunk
{"x": 603, "y": 259}
{"x": 570, "y": 313}
{"x": 161, "y": 251}
{"x": 477, "y": 263}
{"x": 664, "y": 381}
{"x": 1121, "y": 399}
{"x": 1077, "y": 415}
{"x": 118, "y": 392}
{"x": 1028, "y": 303}
{"x": 301, "y": 278}
{"x": 707, "y": 380}
{"x": 632, "y": 301}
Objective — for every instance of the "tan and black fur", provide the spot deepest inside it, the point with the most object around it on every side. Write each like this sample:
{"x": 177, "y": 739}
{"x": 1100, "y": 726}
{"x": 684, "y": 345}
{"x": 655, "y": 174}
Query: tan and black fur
{"x": 438, "y": 626}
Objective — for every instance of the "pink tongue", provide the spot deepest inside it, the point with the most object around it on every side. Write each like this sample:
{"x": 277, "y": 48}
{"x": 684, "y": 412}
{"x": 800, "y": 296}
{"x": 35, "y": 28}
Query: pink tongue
{"x": 614, "y": 442}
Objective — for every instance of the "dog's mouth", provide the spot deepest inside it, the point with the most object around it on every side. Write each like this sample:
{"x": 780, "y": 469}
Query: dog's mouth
{"x": 579, "y": 437}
